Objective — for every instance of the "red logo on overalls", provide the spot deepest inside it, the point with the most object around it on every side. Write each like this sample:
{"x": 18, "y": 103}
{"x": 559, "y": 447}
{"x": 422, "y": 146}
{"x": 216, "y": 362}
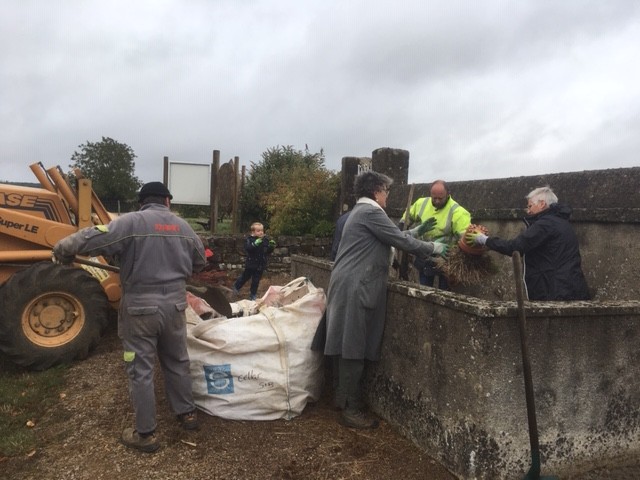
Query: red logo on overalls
{"x": 164, "y": 227}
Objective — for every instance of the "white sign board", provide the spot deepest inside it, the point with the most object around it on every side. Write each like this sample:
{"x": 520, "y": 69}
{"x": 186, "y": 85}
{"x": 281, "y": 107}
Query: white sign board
{"x": 190, "y": 183}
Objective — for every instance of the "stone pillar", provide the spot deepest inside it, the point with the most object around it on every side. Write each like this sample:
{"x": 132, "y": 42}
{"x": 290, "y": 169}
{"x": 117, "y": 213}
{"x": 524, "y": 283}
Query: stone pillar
{"x": 393, "y": 162}
{"x": 351, "y": 167}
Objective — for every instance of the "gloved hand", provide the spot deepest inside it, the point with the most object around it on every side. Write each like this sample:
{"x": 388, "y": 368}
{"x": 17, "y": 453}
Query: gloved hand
{"x": 59, "y": 259}
{"x": 272, "y": 243}
{"x": 425, "y": 227}
{"x": 475, "y": 238}
{"x": 440, "y": 248}
{"x": 258, "y": 242}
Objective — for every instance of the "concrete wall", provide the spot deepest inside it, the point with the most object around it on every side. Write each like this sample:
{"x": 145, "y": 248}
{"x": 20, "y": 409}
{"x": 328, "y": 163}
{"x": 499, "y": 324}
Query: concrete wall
{"x": 606, "y": 218}
{"x": 450, "y": 378}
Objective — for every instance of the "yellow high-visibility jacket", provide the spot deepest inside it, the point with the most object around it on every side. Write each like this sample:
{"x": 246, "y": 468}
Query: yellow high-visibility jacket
{"x": 451, "y": 220}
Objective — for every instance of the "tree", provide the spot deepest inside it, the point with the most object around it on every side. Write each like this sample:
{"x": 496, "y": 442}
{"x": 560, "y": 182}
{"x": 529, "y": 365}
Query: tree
{"x": 291, "y": 192}
{"x": 110, "y": 166}
{"x": 304, "y": 204}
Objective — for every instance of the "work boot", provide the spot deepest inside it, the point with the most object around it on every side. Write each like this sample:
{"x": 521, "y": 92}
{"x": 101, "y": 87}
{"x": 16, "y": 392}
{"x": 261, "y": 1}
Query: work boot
{"x": 189, "y": 421}
{"x": 145, "y": 443}
{"x": 356, "y": 418}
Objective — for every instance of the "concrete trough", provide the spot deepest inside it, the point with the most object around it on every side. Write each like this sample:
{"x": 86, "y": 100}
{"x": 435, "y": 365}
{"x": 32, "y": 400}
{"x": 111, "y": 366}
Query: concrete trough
{"x": 450, "y": 378}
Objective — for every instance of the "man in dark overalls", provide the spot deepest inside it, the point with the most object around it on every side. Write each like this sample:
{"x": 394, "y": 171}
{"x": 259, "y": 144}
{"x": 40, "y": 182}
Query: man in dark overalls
{"x": 158, "y": 252}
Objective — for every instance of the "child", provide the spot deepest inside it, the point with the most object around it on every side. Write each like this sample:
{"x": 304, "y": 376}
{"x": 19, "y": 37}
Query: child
{"x": 258, "y": 247}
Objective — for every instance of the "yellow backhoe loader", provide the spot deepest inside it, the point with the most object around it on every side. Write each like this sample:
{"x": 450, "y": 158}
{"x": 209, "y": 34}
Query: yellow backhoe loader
{"x": 51, "y": 314}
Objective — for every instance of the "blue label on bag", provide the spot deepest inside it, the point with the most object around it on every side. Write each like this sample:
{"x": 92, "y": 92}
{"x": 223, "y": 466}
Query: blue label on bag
{"x": 219, "y": 379}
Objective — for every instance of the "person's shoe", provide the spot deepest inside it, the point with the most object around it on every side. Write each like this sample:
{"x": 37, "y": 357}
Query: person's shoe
{"x": 252, "y": 297}
{"x": 132, "y": 439}
{"x": 189, "y": 421}
{"x": 357, "y": 419}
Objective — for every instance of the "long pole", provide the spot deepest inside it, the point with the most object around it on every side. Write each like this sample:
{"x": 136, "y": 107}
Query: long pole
{"x": 534, "y": 471}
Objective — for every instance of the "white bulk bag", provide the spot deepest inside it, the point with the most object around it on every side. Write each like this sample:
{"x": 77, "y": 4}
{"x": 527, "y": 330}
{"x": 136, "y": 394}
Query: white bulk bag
{"x": 260, "y": 366}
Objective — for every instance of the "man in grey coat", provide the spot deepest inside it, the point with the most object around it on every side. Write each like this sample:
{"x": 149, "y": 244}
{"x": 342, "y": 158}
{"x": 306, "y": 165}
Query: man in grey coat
{"x": 357, "y": 292}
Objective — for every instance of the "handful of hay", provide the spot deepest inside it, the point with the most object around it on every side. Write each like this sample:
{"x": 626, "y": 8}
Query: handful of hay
{"x": 464, "y": 269}
{"x": 467, "y": 264}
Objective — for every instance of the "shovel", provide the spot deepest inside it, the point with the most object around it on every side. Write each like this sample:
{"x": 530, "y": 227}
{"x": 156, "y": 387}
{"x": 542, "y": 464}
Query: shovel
{"x": 534, "y": 471}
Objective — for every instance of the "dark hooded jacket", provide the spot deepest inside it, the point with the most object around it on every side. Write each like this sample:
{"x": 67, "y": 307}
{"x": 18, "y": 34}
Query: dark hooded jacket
{"x": 257, "y": 255}
{"x": 551, "y": 255}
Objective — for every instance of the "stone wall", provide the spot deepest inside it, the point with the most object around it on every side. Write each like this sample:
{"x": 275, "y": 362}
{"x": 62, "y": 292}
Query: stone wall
{"x": 229, "y": 253}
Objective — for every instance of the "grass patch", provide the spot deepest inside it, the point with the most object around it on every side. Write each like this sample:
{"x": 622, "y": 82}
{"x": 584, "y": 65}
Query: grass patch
{"x": 25, "y": 396}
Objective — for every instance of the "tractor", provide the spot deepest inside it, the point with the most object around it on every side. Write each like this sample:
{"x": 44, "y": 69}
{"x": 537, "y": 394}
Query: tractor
{"x": 51, "y": 314}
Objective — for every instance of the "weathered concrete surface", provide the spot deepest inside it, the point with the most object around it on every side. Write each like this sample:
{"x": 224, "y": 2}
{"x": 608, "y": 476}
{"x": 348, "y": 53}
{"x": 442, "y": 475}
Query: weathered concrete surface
{"x": 606, "y": 219}
{"x": 450, "y": 379}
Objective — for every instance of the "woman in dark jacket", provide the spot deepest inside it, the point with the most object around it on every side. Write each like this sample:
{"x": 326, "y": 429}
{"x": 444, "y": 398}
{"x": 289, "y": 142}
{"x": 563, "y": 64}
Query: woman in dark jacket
{"x": 550, "y": 249}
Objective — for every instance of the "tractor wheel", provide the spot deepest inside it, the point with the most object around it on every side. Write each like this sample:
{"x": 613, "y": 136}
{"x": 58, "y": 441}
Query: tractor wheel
{"x": 51, "y": 314}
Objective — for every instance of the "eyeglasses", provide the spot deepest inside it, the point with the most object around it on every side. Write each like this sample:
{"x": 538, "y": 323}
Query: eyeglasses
{"x": 533, "y": 204}
{"x": 385, "y": 190}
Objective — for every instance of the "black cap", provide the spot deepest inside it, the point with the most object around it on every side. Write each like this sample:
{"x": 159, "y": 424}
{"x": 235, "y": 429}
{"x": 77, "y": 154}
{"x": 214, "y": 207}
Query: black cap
{"x": 155, "y": 189}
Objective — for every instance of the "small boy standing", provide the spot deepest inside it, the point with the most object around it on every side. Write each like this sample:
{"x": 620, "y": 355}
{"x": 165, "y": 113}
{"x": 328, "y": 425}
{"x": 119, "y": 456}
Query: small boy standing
{"x": 258, "y": 247}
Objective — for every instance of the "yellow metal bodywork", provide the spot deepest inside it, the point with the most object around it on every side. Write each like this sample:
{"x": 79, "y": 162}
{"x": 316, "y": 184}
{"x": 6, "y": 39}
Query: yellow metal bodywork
{"x": 33, "y": 220}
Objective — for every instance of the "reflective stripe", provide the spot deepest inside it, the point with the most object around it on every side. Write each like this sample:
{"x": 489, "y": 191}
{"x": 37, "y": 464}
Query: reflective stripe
{"x": 447, "y": 227}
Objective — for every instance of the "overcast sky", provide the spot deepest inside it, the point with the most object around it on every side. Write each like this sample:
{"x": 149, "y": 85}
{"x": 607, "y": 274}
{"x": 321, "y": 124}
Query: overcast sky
{"x": 473, "y": 90}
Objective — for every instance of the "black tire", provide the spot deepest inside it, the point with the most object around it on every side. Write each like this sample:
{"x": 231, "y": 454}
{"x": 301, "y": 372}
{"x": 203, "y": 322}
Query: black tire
{"x": 51, "y": 314}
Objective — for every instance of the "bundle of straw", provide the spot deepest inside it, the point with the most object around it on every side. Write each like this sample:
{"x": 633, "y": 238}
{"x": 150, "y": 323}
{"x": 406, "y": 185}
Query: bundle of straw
{"x": 461, "y": 268}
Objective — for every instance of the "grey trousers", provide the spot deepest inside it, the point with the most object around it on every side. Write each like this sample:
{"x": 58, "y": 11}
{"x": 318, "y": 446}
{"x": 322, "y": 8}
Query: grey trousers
{"x": 149, "y": 327}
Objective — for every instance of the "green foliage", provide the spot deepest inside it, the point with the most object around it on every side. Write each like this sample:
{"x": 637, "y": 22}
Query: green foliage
{"x": 304, "y": 204}
{"x": 24, "y": 396}
{"x": 324, "y": 228}
{"x": 290, "y": 192}
{"x": 110, "y": 166}
{"x": 276, "y": 166}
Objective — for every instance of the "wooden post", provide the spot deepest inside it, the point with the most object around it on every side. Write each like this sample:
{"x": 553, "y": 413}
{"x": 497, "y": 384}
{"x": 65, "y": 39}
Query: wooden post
{"x": 243, "y": 179}
{"x": 214, "y": 195}
{"x": 165, "y": 172}
{"x": 236, "y": 190}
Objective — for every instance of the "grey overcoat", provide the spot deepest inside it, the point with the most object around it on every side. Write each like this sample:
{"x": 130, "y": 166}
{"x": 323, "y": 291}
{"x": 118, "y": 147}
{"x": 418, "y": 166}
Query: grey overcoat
{"x": 357, "y": 294}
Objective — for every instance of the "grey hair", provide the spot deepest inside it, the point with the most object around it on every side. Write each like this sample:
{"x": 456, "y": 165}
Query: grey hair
{"x": 368, "y": 183}
{"x": 543, "y": 193}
